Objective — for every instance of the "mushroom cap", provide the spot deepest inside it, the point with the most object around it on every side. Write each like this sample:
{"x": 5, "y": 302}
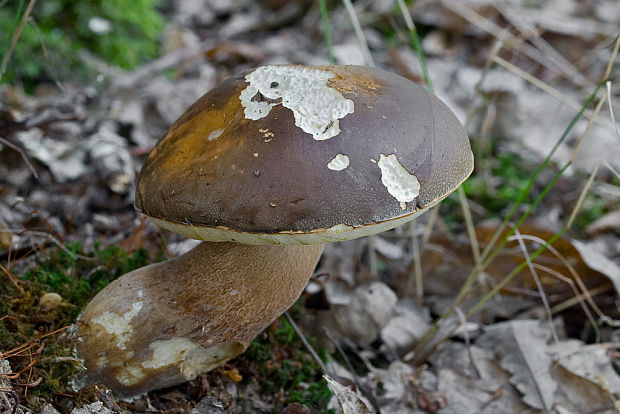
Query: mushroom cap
{"x": 300, "y": 154}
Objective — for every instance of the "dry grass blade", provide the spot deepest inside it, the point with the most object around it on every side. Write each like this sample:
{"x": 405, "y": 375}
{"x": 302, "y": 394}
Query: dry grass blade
{"x": 485, "y": 70}
{"x": 537, "y": 253}
{"x": 541, "y": 291}
{"x": 512, "y": 42}
{"x": 417, "y": 265}
{"x": 469, "y": 223}
{"x": 579, "y": 297}
{"x": 12, "y": 278}
{"x": 532, "y": 33}
{"x": 372, "y": 258}
{"x": 611, "y": 109}
{"x": 582, "y": 197}
{"x": 571, "y": 269}
{"x": 587, "y": 129}
{"x": 430, "y": 225}
{"x": 612, "y": 169}
{"x": 495, "y": 244}
{"x": 359, "y": 32}
{"x": 49, "y": 237}
{"x": 543, "y": 86}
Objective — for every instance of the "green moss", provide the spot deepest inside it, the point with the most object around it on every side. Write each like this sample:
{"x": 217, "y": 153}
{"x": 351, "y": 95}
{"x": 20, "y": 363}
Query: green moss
{"x": 510, "y": 176}
{"x": 76, "y": 276}
{"x": 50, "y": 44}
{"x": 594, "y": 207}
{"x": 279, "y": 361}
{"x": 316, "y": 392}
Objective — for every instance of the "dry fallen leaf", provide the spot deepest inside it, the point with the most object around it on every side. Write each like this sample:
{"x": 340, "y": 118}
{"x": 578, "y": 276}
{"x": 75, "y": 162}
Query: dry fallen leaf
{"x": 599, "y": 262}
{"x": 586, "y": 378}
{"x": 472, "y": 380}
{"x": 521, "y": 347}
{"x": 369, "y": 311}
{"x": 348, "y": 400}
{"x": 93, "y": 408}
{"x": 606, "y": 223}
{"x": 410, "y": 323}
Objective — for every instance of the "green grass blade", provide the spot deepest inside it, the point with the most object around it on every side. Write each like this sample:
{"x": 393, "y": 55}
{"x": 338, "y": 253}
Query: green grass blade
{"x": 415, "y": 43}
{"x": 524, "y": 193}
{"x": 327, "y": 31}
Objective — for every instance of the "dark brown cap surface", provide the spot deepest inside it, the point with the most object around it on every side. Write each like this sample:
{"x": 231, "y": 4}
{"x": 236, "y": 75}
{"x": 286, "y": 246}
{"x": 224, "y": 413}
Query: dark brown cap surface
{"x": 290, "y": 150}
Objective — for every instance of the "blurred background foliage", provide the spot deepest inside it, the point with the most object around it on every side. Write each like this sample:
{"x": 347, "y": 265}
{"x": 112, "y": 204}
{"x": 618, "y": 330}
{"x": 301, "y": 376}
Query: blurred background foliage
{"x": 120, "y": 33}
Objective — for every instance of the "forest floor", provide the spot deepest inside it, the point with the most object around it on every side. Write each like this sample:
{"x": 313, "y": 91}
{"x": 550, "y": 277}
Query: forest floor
{"x": 535, "y": 84}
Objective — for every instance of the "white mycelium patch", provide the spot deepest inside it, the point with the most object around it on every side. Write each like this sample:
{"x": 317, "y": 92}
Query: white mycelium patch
{"x": 402, "y": 185}
{"x": 316, "y": 106}
{"x": 339, "y": 162}
{"x": 118, "y": 325}
{"x": 179, "y": 355}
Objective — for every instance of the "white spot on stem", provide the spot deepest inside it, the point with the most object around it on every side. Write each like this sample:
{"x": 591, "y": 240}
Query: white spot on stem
{"x": 118, "y": 325}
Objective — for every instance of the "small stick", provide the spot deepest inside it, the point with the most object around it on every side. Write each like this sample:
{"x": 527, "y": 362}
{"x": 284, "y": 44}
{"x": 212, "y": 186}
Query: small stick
{"x": 16, "y": 34}
{"x": 24, "y": 157}
{"x": 309, "y": 347}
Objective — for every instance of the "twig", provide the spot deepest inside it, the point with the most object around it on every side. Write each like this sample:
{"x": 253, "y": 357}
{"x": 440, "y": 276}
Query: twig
{"x": 344, "y": 356}
{"x": 13, "y": 281}
{"x": 22, "y": 154}
{"x": 309, "y": 347}
{"x": 15, "y": 398}
{"x": 16, "y": 34}
{"x": 51, "y": 238}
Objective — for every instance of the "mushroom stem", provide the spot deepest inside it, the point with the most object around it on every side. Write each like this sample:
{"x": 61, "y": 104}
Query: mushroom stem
{"x": 169, "y": 322}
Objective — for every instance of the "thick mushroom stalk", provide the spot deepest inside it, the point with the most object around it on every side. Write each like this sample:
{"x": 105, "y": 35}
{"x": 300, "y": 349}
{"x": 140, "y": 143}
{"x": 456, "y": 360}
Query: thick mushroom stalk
{"x": 169, "y": 322}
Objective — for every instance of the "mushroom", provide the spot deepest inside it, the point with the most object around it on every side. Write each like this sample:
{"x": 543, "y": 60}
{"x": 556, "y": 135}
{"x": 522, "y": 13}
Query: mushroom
{"x": 265, "y": 168}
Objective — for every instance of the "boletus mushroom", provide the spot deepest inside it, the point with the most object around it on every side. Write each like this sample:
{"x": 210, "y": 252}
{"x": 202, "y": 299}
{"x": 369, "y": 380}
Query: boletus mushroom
{"x": 265, "y": 168}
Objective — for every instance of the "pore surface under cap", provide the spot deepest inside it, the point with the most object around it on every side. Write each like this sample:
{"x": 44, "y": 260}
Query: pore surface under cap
{"x": 299, "y": 167}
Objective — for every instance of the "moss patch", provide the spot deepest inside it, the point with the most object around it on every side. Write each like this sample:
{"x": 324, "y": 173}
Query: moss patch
{"x": 31, "y": 333}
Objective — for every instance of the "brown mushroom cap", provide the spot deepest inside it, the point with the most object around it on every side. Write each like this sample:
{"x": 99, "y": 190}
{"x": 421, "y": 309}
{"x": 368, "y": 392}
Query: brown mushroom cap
{"x": 319, "y": 154}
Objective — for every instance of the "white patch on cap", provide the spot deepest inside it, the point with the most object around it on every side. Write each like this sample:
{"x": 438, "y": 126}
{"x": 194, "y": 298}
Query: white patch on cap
{"x": 118, "y": 325}
{"x": 316, "y": 106}
{"x": 339, "y": 162}
{"x": 401, "y": 184}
